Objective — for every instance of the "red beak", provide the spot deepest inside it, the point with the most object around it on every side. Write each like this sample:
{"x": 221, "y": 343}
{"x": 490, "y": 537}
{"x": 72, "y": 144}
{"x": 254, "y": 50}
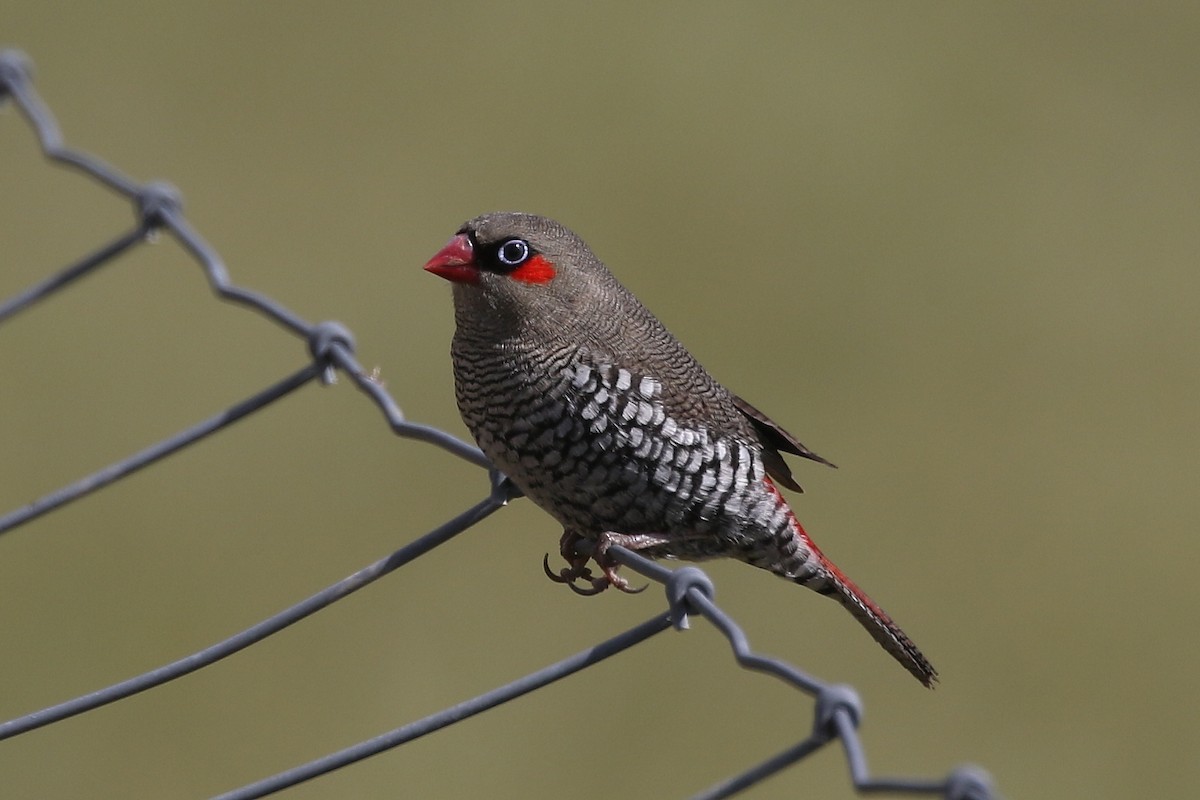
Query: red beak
{"x": 456, "y": 261}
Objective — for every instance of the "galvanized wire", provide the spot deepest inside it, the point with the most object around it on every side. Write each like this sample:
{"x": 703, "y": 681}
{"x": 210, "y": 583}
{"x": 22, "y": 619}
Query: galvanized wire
{"x": 330, "y": 345}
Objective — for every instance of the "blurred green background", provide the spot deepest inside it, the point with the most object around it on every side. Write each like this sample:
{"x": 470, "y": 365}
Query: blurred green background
{"x": 952, "y": 246}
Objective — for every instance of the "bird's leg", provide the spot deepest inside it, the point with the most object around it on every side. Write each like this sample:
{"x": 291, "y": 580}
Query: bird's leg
{"x": 635, "y": 541}
{"x": 568, "y": 547}
{"x": 577, "y": 569}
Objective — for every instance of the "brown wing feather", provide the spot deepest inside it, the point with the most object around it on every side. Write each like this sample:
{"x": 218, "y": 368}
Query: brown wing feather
{"x": 777, "y": 440}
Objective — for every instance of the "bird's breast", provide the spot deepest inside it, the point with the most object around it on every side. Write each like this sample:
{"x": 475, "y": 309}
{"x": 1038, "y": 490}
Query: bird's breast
{"x": 595, "y": 444}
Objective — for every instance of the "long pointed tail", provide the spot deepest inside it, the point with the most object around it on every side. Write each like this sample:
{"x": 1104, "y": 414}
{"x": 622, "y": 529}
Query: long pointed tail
{"x": 830, "y": 580}
{"x": 804, "y": 563}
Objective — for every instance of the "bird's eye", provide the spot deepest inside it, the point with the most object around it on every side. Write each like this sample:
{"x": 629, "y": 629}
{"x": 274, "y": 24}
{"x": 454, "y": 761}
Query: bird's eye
{"x": 513, "y": 252}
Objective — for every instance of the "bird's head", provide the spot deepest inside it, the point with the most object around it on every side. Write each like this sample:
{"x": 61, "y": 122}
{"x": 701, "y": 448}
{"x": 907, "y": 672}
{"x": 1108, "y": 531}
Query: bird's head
{"x": 509, "y": 268}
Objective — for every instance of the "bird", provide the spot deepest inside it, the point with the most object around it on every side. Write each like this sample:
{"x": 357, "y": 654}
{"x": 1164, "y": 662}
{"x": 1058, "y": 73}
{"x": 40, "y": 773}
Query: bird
{"x": 597, "y": 413}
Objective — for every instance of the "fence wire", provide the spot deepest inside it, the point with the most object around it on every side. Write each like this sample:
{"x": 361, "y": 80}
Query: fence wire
{"x": 689, "y": 591}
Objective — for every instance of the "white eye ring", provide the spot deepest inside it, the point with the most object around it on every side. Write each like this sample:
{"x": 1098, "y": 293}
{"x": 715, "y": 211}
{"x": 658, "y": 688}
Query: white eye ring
{"x": 513, "y": 252}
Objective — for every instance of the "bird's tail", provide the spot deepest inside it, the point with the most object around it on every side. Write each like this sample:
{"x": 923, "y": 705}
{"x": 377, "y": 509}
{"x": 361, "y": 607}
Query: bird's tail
{"x": 820, "y": 574}
{"x": 831, "y": 581}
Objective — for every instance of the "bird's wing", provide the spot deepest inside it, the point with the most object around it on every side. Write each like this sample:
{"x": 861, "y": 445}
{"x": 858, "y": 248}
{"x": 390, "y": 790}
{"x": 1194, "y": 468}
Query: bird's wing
{"x": 777, "y": 440}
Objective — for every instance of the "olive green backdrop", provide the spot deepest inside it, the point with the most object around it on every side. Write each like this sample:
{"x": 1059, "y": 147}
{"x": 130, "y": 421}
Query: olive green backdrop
{"x": 952, "y": 246}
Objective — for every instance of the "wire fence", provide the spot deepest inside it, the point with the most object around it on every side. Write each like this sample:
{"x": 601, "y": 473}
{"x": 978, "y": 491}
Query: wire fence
{"x": 689, "y": 591}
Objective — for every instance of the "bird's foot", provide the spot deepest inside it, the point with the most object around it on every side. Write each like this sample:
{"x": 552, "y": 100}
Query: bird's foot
{"x": 578, "y": 550}
{"x": 611, "y": 578}
{"x": 572, "y": 573}
{"x": 609, "y": 567}
{"x": 576, "y": 569}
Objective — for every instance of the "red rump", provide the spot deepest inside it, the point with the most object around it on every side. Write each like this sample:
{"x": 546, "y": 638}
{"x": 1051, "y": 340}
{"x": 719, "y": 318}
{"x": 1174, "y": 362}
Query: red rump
{"x": 535, "y": 270}
{"x": 838, "y": 576}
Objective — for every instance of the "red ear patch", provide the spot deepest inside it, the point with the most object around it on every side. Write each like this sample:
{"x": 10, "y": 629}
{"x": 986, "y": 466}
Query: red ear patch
{"x": 535, "y": 270}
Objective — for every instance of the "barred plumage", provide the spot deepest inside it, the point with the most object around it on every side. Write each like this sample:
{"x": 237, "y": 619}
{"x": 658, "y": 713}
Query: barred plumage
{"x": 578, "y": 394}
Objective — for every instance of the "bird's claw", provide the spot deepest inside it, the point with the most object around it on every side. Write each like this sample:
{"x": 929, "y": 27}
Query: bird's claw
{"x": 568, "y": 574}
{"x": 598, "y": 586}
{"x": 611, "y": 578}
{"x": 577, "y": 571}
